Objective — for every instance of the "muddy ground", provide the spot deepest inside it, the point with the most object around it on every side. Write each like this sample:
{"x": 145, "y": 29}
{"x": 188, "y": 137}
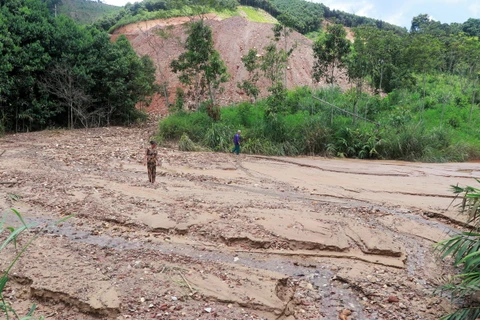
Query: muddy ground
{"x": 220, "y": 236}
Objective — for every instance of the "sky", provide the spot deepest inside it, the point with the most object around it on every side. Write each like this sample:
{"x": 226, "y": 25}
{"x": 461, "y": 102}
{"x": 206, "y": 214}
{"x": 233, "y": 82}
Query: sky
{"x": 401, "y": 12}
{"x": 397, "y": 12}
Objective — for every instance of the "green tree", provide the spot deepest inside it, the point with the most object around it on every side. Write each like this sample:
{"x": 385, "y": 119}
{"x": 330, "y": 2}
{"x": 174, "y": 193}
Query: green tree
{"x": 200, "y": 66}
{"x": 273, "y": 65}
{"x": 120, "y": 78}
{"x": 469, "y": 68}
{"x": 381, "y": 52}
{"x": 472, "y": 27}
{"x": 330, "y": 52}
{"x": 251, "y": 63}
{"x": 425, "y": 53}
{"x": 35, "y": 47}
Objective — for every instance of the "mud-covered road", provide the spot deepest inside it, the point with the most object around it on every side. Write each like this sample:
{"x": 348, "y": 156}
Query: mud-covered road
{"x": 220, "y": 236}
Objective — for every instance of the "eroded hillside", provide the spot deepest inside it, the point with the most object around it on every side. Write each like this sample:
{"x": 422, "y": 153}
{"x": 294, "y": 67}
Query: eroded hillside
{"x": 233, "y": 37}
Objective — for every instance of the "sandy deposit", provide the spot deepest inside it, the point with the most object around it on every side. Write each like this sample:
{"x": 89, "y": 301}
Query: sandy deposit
{"x": 221, "y": 236}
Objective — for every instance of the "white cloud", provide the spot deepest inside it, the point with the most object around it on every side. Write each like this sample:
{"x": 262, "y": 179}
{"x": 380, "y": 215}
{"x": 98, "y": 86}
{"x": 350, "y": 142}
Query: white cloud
{"x": 474, "y": 8}
{"x": 119, "y": 3}
{"x": 453, "y": 1}
{"x": 361, "y": 8}
{"x": 399, "y": 19}
{"x": 367, "y": 10}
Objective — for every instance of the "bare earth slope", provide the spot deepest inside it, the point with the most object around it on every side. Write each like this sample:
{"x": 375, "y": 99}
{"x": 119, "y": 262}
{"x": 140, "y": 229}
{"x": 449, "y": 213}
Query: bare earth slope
{"x": 221, "y": 236}
{"x": 233, "y": 38}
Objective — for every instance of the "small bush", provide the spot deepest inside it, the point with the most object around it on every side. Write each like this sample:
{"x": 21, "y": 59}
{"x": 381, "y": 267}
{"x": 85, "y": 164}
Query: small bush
{"x": 179, "y": 104}
{"x": 185, "y": 144}
{"x": 193, "y": 124}
{"x": 219, "y": 137}
{"x": 259, "y": 146}
{"x": 416, "y": 143}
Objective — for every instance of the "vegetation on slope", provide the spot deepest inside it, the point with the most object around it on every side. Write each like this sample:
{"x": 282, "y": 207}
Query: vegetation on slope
{"x": 303, "y": 16}
{"x": 307, "y": 123}
{"x": 85, "y": 11}
{"x": 430, "y": 112}
{"x": 256, "y": 15}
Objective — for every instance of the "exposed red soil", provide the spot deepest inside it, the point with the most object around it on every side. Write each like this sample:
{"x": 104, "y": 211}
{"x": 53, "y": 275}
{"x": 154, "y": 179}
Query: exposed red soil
{"x": 233, "y": 38}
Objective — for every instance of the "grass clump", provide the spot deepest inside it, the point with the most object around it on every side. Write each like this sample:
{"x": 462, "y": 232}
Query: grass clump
{"x": 186, "y": 144}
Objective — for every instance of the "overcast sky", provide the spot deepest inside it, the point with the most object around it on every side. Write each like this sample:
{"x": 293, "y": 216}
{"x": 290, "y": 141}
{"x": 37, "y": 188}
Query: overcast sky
{"x": 397, "y": 12}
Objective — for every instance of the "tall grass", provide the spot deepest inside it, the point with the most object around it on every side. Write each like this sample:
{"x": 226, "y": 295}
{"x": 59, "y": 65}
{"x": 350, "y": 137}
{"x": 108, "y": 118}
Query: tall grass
{"x": 397, "y": 126}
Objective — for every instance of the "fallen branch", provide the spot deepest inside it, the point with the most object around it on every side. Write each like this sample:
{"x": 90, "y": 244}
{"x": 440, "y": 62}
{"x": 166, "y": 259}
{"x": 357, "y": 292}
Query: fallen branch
{"x": 188, "y": 284}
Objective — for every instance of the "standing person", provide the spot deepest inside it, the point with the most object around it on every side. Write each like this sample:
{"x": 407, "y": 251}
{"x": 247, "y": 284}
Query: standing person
{"x": 236, "y": 141}
{"x": 151, "y": 156}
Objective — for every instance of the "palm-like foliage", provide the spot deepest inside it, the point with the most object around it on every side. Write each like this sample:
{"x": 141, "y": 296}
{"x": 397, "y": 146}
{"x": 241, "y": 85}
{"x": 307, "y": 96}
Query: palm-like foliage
{"x": 464, "y": 248}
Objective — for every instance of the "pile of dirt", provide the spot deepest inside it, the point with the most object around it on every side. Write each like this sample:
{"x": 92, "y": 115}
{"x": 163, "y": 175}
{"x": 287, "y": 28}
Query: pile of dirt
{"x": 233, "y": 37}
{"x": 222, "y": 236}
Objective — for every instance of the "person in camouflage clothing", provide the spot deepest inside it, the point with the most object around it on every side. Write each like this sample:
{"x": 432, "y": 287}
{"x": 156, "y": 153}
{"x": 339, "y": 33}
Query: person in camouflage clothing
{"x": 152, "y": 159}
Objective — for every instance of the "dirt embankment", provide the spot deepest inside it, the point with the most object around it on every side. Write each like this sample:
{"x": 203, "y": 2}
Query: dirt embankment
{"x": 221, "y": 236}
{"x": 233, "y": 38}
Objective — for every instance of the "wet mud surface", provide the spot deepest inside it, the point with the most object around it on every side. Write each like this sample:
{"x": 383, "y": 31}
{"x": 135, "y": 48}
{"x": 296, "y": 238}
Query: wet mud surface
{"x": 220, "y": 236}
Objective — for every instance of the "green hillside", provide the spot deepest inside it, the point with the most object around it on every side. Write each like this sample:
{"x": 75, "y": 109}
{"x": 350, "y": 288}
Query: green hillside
{"x": 85, "y": 11}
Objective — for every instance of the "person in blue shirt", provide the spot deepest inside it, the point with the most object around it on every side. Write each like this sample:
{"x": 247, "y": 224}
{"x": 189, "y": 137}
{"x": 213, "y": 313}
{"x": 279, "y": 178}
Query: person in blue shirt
{"x": 236, "y": 141}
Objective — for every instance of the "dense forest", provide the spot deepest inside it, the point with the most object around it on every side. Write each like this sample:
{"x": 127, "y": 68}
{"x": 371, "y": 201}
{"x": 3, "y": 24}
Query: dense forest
{"x": 303, "y": 16}
{"x": 56, "y": 73}
{"x": 84, "y": 11}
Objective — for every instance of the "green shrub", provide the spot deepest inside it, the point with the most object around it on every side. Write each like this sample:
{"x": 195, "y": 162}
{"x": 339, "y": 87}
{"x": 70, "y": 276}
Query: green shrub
{"x": 416, "y": 143}
{"x": 305, "y": 125}
{"x": 185, "y": 144}
{"x": 315, "y": 136}
{"x": 219, "y": 137}
{"x": 178, "y": 106}
{"x": 260, "y": 146}
{"x": 191, "y": 123}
